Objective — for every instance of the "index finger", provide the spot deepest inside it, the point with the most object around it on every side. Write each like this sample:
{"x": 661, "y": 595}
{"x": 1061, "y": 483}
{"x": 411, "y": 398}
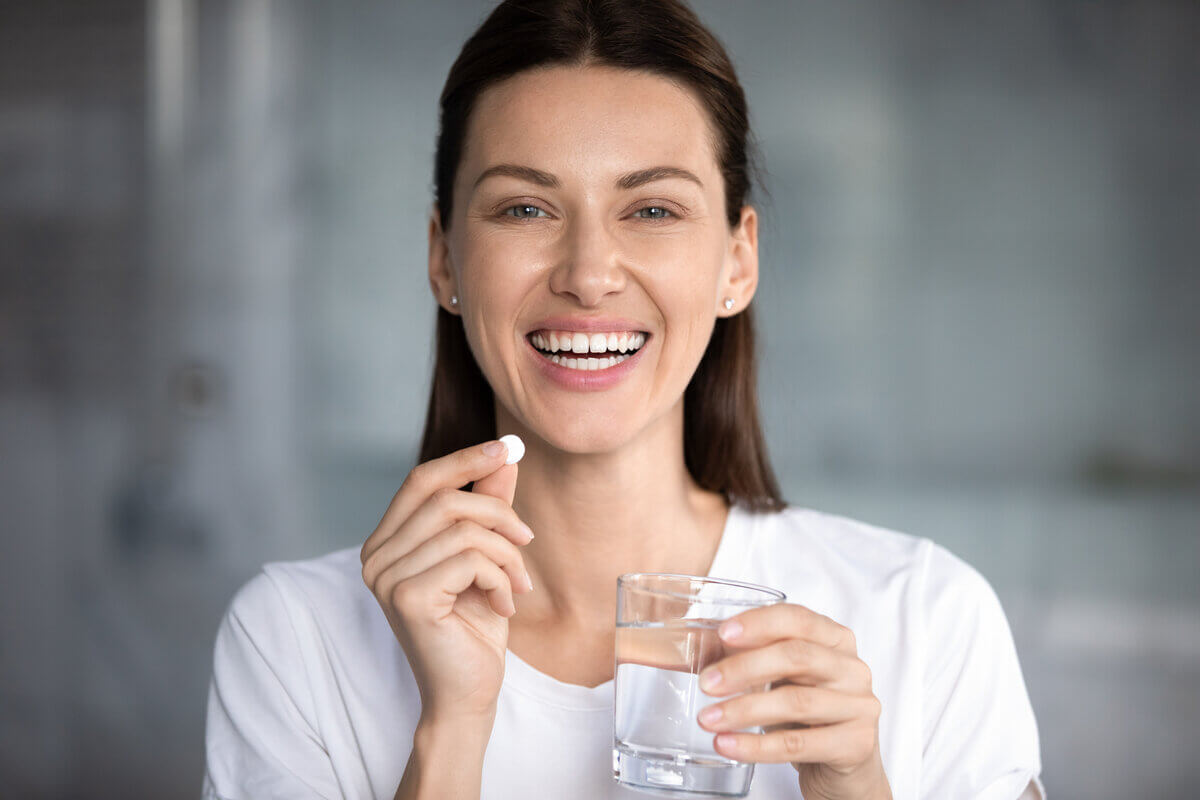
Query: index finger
{"x": 448, "y": 472}
{"x": 760, "y": 626}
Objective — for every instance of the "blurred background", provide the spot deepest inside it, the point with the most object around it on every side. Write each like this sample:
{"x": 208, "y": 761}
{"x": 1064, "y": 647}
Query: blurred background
{"x": 980, "y": 317}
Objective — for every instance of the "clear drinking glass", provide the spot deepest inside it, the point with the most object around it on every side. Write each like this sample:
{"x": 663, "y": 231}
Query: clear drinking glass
{"x": 666, "y": 634}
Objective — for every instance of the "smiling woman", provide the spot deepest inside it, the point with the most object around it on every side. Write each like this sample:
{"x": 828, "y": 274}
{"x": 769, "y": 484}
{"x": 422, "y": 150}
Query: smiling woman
{"x": 594, "y": 256}
{"x": 602, "y": 103}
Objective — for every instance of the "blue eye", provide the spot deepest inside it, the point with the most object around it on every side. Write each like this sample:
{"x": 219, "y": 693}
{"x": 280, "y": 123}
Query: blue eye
{"x": 653, "y": 212}
{"x": 524, "y": 212}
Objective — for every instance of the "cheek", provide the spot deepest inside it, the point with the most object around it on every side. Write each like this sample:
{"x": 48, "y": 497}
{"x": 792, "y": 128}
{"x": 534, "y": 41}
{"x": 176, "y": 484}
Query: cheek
{"x": 494, "y": 280}
{"x": 684, "y": 286}
{"x": 498, "y": 266}
{"x": 683, "y": 281}
{"x": 691, "y": 257}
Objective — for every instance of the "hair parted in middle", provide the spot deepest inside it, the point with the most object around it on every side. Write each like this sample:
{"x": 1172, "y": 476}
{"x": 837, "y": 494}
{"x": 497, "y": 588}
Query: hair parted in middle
{"x": 724, "y": 447}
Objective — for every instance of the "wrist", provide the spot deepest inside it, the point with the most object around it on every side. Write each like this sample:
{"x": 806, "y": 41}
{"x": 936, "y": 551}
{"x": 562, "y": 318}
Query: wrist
{"x": 876, "y": 786}
{"x": 872, "y": 785}
{"x": 867, "y": 782}
{"x": 462, "y": 735}
{"x": 446, "y": 761}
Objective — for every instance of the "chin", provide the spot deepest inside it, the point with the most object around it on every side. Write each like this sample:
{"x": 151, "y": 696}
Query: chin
{"x": 587, "y": 435}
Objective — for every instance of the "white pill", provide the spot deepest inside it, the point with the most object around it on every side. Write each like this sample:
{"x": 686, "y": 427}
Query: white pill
{"x": 516, "y": 448}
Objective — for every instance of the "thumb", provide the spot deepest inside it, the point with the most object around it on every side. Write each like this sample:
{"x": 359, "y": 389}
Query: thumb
{"x": 502, "y": 483}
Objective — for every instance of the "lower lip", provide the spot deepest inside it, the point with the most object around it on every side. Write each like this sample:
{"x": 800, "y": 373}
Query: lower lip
{"x": 590, "y": 380}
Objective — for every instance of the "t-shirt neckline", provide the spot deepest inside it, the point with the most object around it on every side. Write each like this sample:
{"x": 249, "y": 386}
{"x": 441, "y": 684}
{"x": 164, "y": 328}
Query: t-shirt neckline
{"x": 524, "y": 678}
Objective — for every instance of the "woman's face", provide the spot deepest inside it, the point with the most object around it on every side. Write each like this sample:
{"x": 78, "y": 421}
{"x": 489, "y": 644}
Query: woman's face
{"x": 589, "y": 216}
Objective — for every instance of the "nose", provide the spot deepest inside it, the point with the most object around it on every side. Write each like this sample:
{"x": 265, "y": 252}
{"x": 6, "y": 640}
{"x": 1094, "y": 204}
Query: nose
{"x": 590, "y": 266}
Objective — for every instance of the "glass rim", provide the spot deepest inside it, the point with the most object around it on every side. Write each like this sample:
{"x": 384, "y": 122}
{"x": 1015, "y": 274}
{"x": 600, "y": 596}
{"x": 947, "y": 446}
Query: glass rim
{"x": 773, "y": 595}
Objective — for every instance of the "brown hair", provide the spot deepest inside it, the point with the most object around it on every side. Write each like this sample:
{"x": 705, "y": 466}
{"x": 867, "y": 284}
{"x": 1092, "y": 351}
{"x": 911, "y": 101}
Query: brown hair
{"x": 723, "y": 443}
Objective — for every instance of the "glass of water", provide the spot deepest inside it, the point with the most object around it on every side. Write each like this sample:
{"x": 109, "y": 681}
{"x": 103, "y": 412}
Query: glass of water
{"x": 666, "y": 634}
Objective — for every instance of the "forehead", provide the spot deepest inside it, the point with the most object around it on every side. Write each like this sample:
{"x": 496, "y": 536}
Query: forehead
{"x": 589, "y": 120}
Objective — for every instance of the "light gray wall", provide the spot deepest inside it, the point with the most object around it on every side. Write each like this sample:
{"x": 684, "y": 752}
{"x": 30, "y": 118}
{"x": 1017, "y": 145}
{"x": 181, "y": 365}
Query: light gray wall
{"x": 979, "y": 324}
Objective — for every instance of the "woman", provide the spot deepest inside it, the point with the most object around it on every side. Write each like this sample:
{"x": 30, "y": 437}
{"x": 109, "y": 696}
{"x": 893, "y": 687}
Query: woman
{"x": 592, "y": 178}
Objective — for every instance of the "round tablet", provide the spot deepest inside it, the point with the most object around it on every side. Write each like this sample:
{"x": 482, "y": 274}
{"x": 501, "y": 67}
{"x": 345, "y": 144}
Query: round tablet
{"x": 516, "y": 448}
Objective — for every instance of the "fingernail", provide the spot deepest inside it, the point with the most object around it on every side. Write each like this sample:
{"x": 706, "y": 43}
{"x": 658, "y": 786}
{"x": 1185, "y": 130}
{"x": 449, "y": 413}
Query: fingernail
{"x": 730, "y": 630}
{"x": 727, "y": 741}
{"x": 709, "y": 679}
{"x": 528, "y": 531}
{"x": 494, "y": 448}
{"x": 711, "y": 714}
{"x": 528, "y": 582}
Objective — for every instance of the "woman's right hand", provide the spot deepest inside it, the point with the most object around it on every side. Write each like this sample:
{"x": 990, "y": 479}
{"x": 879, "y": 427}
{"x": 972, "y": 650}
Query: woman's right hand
{"x": 443, "y": 565}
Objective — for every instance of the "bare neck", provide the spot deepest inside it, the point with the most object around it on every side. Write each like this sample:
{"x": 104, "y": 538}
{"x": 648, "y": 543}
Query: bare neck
{"x": 597, "y": 516}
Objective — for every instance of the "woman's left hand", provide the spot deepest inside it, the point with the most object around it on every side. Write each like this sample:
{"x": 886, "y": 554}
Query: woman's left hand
{"x": 820, "y": 713}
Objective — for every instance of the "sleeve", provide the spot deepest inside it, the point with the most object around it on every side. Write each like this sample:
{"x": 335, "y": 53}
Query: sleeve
{"x": 980, "y": 734}
{"x": 261, "y": 740}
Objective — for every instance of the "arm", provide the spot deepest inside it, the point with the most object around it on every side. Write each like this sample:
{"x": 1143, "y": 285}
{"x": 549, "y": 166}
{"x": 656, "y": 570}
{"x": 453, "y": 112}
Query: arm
{"x": 261, "y": 736}
{"x": 443, "y": 564}
{"x": 981, "y": 738}
{"x": 446, "y": 763}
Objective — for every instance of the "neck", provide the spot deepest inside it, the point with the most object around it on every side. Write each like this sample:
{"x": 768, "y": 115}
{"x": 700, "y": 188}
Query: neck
{"x": 599, "y": 515}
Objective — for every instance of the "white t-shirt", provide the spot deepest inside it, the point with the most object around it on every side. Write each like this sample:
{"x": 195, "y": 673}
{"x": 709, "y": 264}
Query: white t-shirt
{"x": 312, "y": 696}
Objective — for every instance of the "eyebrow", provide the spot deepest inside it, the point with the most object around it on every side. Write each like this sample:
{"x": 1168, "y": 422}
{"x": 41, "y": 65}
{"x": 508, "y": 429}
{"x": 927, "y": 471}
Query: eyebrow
{"x": 523, "y": 173}
{"x": 642, "y": 176}
{"x": 630, "y": 180}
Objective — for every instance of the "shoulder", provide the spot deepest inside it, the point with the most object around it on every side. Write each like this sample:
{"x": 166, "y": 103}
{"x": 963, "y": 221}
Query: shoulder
{"x": 332, "y": 573}
{"x": 271, "y": 724}
{"x": 852, "y": 553}
{"x": 324, "y": 591}
{"x": 839, "y": 543}
{"x": 943, "y": 597}
{"x": 840, "y": 533}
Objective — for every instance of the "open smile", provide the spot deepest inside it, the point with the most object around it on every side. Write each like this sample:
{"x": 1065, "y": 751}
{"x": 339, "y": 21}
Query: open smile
{"x": 599, "y": 350}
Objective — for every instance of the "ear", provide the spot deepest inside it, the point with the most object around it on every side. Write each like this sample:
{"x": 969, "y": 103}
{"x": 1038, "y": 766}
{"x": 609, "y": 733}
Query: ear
{"x": 740, "y": 276}
{"x": 441, "y": 272}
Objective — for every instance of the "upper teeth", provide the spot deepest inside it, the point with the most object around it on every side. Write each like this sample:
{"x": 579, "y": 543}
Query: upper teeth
{"x": 578, "y": 342}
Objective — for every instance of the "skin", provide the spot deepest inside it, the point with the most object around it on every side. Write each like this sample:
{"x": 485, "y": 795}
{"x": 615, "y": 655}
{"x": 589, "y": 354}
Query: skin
{"x": 450, "y": 568}
{"x": 586, "y": 253}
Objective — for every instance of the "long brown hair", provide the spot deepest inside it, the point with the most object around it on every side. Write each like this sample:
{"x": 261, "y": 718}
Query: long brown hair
{"x": 723, "y": 444}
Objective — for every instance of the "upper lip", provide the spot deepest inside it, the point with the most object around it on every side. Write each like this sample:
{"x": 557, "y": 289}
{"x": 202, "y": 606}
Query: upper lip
{"x": 588, "y": 324}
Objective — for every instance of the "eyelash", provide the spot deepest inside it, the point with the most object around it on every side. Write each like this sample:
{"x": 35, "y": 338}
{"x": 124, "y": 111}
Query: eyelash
{"x": 506, "y": 212}
{"x": 670, "y": 214}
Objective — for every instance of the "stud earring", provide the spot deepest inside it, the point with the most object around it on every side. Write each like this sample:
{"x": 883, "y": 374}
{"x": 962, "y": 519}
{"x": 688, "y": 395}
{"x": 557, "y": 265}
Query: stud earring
{"x": 453, "y": 299}
{"x": 728, "y": 303}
